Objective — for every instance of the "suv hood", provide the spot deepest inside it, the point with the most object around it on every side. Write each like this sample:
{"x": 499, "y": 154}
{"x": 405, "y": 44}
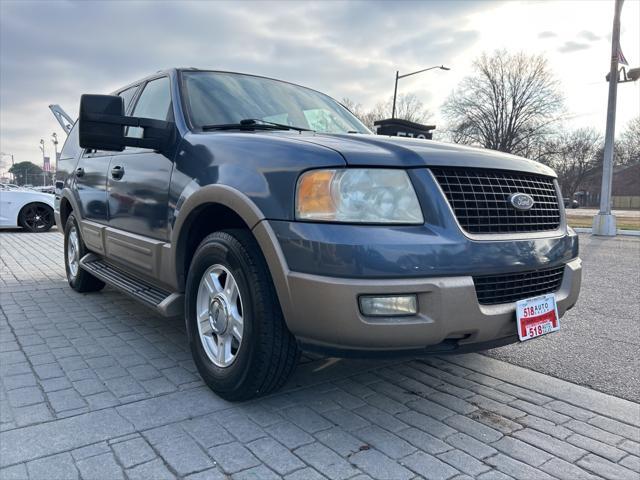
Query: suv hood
{"x": 383, "y": 151}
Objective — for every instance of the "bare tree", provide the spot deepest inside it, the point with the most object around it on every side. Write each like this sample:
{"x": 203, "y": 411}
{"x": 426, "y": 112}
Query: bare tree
{"x": 627, "y": 148}
{"x": 508, "y": 103}
{"x": 575, "y": 156}
{"x": 408, "y": 107}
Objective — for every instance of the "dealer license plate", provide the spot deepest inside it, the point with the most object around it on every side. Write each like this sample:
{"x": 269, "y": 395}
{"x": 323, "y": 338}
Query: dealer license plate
{"x": 537, "y": 316}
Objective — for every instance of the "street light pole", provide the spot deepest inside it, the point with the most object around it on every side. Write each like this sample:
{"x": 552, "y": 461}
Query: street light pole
{"x": 43, "y": 174}
{"x": 604, "y": 223}
{"x": 54, "y": 140}
{"x": 398, "y": 77}
{"x": 395, "y": 94}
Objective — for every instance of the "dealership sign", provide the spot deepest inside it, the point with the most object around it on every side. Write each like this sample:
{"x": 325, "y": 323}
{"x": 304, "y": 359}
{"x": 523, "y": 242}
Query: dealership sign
{"x": 396, "y": 127}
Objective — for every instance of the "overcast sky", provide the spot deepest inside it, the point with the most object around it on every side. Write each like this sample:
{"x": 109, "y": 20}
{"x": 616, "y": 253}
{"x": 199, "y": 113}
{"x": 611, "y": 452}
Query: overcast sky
{"x": 53, "y": 51}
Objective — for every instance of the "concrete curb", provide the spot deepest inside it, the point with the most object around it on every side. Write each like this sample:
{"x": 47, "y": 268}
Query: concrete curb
{"x": 630, "y": 233}
{"x": 602, "y": 403}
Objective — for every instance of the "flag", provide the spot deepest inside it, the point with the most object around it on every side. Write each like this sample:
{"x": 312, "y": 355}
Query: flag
{"x": 621, "y": 59}
{"x": 46, "y": 164}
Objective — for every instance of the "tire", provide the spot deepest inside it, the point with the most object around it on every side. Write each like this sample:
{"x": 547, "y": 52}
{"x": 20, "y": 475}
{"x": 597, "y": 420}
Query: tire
{"x": 36, "y": 217}
{"x": 79, "y": 279}
{"x": 266, "y": 352}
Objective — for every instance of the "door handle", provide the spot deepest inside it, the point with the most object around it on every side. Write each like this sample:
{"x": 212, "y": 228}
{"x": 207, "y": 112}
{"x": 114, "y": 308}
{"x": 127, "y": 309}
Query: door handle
{"x": 117, "y": 172}
{"x": 79, "y": 172}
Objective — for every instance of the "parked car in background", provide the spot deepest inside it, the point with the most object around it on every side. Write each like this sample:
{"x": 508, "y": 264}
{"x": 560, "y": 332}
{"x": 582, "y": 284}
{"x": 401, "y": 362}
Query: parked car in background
{"x": 9, "y": 186}
{"x": 274, "y": 221}
{"x": 570, "y": 203}
{"x": 51, "y": 189}
{"x": 21, "y": 207}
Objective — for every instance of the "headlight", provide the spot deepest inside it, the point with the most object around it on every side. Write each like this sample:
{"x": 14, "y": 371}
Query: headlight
{"x": 358, "y": 195}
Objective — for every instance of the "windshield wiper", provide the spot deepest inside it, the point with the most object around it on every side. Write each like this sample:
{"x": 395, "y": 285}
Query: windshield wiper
{"x": 258, "y": 121}
{"x": 255, "y": 124}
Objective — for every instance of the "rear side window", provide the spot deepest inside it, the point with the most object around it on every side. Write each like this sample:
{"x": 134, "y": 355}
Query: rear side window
{"x": 154, "y": 102}
{"x": 71, "y": 148}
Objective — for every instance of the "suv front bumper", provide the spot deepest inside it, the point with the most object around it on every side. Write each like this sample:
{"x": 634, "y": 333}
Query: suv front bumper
{"x": 323, "y": 312}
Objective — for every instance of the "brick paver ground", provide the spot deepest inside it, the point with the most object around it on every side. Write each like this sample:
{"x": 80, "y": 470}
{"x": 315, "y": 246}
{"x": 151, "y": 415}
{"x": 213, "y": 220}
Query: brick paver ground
{"x": 98, "y": 387}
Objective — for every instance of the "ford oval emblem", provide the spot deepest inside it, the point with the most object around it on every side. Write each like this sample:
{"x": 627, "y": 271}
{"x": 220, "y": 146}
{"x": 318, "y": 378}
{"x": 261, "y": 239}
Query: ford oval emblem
{"x": 521, "y": 201}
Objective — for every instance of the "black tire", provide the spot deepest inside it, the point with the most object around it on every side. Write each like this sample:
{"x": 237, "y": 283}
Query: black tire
{"x": 268, "y": 352}
{"x": 36, "y": 217}
{"x": 82, "y": 281}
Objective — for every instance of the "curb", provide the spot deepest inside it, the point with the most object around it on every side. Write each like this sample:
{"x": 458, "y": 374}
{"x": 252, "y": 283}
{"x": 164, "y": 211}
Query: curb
{"x": 604, "y": 404}
{"x": 629, "y": 233}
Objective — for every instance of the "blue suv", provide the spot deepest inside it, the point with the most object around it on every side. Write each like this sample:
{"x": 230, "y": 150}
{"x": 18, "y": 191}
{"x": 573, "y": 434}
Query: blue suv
{"x": 274, "y": 221}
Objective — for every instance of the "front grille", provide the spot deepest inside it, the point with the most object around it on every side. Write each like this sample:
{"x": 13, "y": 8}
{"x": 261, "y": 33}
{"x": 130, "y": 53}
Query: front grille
{"x": 493, "y": 289}
{"x": 480, "y": 200}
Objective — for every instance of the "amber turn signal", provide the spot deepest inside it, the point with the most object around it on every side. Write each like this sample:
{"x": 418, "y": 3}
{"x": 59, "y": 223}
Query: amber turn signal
{"x": 314, "y": 198}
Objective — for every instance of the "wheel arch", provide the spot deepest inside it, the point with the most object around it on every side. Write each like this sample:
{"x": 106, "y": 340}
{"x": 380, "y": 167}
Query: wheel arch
{"x": 209, "y": 209}
{"x": 65, "y": 206}
{"x": 65, "y": 210}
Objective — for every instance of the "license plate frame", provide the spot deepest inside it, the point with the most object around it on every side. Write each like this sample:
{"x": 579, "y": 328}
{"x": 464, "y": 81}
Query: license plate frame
{"x": 537, "y": 316}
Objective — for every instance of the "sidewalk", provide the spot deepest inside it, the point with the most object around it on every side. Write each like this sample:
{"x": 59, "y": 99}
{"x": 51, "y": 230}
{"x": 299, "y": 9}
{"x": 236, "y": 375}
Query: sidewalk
{"x": 97, "y": 386}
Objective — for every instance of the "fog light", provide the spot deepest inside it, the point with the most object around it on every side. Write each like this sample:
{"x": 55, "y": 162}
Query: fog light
{"x": 388, "y": 305}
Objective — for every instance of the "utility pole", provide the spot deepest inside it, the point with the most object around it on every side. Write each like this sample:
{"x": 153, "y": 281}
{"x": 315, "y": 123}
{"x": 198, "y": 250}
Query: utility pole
{"x": 604, "y": 223}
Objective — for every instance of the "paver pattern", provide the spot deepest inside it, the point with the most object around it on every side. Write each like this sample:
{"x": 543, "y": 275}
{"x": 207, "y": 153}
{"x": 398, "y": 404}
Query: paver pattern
{"x": 98, "y": 387}
{"x": 599, "y": 339}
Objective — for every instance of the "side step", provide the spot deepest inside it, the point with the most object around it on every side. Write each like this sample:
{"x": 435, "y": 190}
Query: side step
{"x": 165, "y": 303}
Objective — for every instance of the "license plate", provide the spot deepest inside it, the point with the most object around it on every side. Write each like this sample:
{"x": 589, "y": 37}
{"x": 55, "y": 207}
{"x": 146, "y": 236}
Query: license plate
{"x": 537, "y": 316}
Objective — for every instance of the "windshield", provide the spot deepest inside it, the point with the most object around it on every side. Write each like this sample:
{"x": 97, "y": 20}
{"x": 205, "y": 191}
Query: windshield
{"x": 217, "y": 98}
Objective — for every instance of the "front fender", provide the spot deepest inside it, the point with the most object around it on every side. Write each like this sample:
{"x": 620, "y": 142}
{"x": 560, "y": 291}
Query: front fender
{"x": 68, "y": 195}
{"x": 219, "y": 194}
{"x": 251, "y": 215}
{"x": 194, "y": 197}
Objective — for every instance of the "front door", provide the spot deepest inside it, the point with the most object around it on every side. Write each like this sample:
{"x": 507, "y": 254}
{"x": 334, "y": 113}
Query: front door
{"x": 138, "y": 188}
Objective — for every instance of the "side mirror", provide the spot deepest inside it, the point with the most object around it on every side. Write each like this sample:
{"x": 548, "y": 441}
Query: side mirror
{"x": 93, "y": 131}
{"x": 101, "y": 126}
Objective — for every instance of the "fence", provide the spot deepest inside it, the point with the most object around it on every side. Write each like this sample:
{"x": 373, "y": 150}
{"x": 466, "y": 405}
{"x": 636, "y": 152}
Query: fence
{"x": 628, "y": 201}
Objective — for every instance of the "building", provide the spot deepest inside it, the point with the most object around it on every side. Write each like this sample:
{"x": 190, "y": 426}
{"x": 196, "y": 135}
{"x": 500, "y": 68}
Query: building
{"x": 625, "y": 188}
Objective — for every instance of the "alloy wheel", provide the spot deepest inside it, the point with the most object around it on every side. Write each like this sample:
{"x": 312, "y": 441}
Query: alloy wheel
{"x": 219, "y": 312}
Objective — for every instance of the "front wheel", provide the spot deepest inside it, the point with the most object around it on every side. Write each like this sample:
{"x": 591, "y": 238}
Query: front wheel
{"x": 237, "y": 333}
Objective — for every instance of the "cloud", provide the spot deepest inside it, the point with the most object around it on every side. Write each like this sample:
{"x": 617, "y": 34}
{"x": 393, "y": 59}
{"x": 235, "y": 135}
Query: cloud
{"x": 53, "y": 51}
{"x": 547, "y": 34}
{"x": 589, "y": 36}
{"x": 572, "y": 46}
{"x": 438, "y": 45}
{"x": 59, "y": 50}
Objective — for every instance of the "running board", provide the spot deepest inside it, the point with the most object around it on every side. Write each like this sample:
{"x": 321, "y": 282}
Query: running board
{"x": 165, "y": 303}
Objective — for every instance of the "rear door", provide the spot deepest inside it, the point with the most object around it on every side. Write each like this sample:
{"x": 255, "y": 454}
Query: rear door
{"x": 91, "y": 185}
{"x": 91, "y": 174}
{"x": 138, "y": 179}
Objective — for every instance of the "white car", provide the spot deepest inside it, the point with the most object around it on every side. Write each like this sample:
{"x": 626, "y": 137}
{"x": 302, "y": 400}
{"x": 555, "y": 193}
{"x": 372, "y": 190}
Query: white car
{"x": 28, "y": 209}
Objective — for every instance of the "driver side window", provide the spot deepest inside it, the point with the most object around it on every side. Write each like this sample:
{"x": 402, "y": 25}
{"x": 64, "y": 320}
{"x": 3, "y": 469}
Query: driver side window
{"x": 154, "y": 102}
{"x": 127, "y": 96}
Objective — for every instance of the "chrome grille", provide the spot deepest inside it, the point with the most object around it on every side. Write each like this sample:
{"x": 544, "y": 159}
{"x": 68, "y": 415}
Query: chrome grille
{"x": 493, "y": 289}
{"x": 480, "y": 200}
